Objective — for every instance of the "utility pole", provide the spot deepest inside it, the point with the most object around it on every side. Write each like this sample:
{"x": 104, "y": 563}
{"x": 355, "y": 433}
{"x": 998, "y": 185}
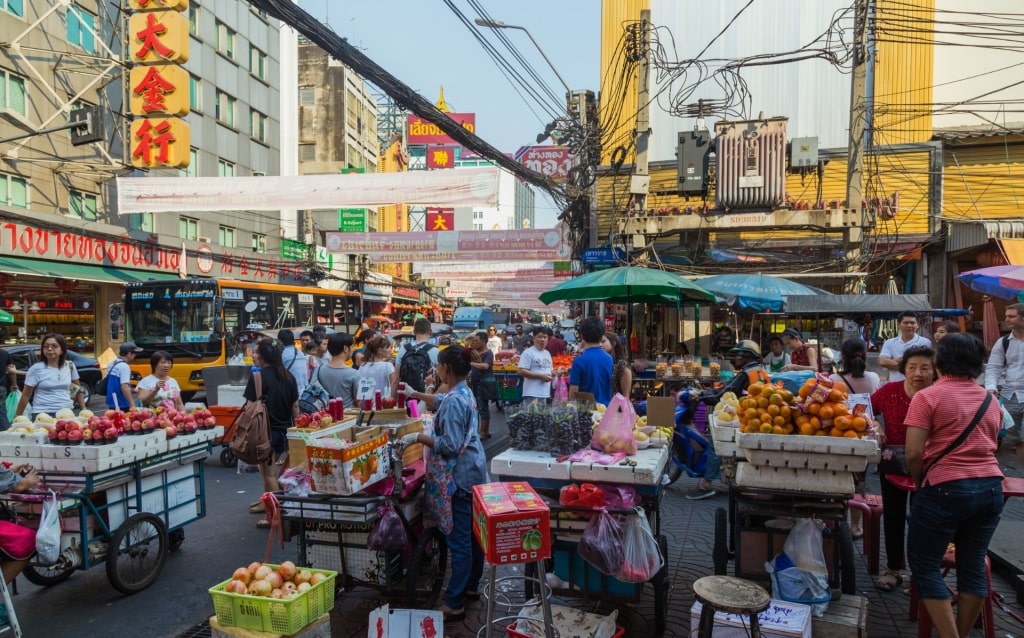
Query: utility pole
{"x": 639, "y": 183}
{"x": 853, "y": 236}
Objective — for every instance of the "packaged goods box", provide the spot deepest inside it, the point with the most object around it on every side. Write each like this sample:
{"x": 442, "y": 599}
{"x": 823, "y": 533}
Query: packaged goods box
{"x": 512, "y": 523}
{"x": 334, "y": 469}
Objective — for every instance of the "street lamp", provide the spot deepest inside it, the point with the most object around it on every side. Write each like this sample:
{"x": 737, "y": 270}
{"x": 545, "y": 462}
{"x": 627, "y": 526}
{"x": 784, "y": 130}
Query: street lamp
{"x": 25, "y": 307}
{"x": 498, "y": 24}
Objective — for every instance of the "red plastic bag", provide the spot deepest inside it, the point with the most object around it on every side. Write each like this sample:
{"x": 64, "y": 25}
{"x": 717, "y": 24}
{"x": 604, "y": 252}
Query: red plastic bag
{"x": 601, "y": 544}
{"x": 388, "y": 535}
{"x": 585, "y": 495}
{"x": 642, "y": 557}
{"x": 615, "y": 431}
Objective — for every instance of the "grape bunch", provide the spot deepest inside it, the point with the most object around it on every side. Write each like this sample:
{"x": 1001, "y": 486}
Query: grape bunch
{"x": 563, "y": 436}
{"x": 520, "y": 430}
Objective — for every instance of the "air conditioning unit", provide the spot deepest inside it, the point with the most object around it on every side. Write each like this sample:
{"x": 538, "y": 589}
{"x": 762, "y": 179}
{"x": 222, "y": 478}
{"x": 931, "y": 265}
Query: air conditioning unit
{"x": 203, "y": 240}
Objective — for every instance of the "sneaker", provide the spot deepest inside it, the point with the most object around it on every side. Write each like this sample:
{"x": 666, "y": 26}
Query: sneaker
{"x": 701, "y": 493}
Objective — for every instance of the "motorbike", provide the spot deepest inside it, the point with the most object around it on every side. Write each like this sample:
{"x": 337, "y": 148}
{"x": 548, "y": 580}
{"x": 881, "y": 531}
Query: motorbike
{"x": 689, "y": 447}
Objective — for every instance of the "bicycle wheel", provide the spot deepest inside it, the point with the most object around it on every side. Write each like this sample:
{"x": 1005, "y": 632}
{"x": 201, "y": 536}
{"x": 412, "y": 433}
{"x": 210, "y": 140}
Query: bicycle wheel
{"x": 48, "y": 576}
{"x": 426, "y": 570}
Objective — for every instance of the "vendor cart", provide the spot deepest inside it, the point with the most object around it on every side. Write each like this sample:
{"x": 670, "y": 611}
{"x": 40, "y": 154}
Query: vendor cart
{"x": 332, "y": 533}
{"x": 547, "y": 475}
{"x": 780, "y": 478}
{"x": 510, "y": 387}
{"x": 124, "y": 504}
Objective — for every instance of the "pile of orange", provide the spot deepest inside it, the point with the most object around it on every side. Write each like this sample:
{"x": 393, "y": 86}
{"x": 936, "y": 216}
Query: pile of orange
{"x": 825, "y": 412}
{"x": 767, "y": 409}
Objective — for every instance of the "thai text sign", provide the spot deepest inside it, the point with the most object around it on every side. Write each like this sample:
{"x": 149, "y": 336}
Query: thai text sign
{"x": 500, "y": 245}
{"x": 352, "y": 220}
{"x": 291, "y": 249}
{"x": 552, "y": 161}
{"x": 424, "y": 132}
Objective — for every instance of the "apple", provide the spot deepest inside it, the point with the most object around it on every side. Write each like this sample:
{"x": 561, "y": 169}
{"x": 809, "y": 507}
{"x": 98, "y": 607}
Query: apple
{"x": 54, "y": 435}
{"x": 62, "y": 436}
{"x": 148, "y": 424}
{"x": 75, "y": 436}
{"x": 171, "y": 431}
{"x": 210, "y": 421}
{"x": 302, "y": 421}
{"x": 110, "y": 433}
{"x": 110, "y": 414}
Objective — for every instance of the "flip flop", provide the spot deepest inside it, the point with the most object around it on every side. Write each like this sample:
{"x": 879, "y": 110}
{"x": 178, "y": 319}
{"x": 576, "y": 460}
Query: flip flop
{"x": 890, "y": 580}
{"x": 263, "y": 524}
{"x": 257, "y": 508}
{"x": 452, "y": 615}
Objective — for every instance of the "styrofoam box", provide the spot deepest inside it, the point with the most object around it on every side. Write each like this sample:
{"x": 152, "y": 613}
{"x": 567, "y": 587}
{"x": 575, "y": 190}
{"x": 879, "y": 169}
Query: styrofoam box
{"x": 727, "y": 449}
{"x": 85, "y": 465}
{"x": 780, "y": 620}
{"x": 83, "y": 451}
{"x": 809, "y": 444}
{"x": 798, "y": 480}
{"x": 650, "y": 465}
{"x": 723, "y": 431}
{"x": 524, "y": 463}
{"x": 810, "y": 460}
{"x": 28, "y": 450}
{"x": 23, "y": 438}
{"x": 180, "y": 485}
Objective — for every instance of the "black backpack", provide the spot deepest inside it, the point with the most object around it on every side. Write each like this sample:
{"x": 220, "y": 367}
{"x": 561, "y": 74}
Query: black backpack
{"x": 415, "y": 366}
{"x": 314, "y": 397}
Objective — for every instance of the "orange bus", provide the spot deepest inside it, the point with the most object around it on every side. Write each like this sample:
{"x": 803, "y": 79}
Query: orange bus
{"x": 205, "y": 322}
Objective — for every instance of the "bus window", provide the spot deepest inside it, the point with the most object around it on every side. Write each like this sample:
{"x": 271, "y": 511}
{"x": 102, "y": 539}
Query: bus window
{"x": 286, "y": 305}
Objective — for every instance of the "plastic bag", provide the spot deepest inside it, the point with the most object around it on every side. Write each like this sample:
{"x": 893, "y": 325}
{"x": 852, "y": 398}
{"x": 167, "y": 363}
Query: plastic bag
{"x": 48, "y": 532}
{"x": 804, "y": 547}
{"x": 12, "y": 404}
{"x": 642, "y": 555}
{"x": 585, "y": 495}
{"x": 601, "y": 544}
{"x": 615, "y": 431}
{"x": 796, "y": 585}
{"x": 388, "y": 534}
{"x": 561, "y": 390}
{"x": 295, "y": 482}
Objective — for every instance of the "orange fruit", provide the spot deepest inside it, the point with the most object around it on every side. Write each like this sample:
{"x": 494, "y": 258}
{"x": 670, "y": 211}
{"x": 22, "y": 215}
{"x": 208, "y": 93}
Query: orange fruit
{"x": 750, "y": 413}
{"x": 851, "y": 434}
{"x": 766, "y": 428}
{"x": 787, "y": 396}
{"x": 814, "y": 408}
{"x": 826, "y": 411}
{"x": 816, "y": 422}
{"x": 773, "y": 410}
{"x": 762, "y": 402}
{"x": 859, "y": 423}
{"x": 804, "y": 390}
{"x": 821, "y": 433}
{"x": 766, "y": 418}
{"x": 778, "y": 430}
{"x": 842, "y": 422}
{"x": 755, "y": 389}
{"x": 785, "y": 411}
{"x": 841, "y": 408}
{"x": 776, "y": 399}
{"x": 807, "y": 428}
{"x": 801, "y": 419}
{"x": 835, "y": 396}
{"x": 778, "y": 421}
{"x": 836, "y": 432}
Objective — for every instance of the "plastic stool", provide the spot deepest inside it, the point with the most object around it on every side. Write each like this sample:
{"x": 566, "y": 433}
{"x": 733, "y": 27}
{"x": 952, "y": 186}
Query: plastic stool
{"x": 731, "y": 595}
{"x": 924, "y": 621}
{"x": 870, "y": 506}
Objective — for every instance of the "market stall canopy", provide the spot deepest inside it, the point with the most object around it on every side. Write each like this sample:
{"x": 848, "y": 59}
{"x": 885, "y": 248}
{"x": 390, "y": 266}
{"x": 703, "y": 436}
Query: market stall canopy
{"x": 6, "y": 317}
{"x": 1005, "y": 282}
{"x": 628, "y": 284}
{"x": 855, "y": 304}
{"x": 756, "y": 292}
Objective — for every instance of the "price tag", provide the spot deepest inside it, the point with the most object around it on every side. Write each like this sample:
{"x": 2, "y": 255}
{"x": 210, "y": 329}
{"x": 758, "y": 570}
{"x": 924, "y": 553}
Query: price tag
{"x": 366, "y": 388}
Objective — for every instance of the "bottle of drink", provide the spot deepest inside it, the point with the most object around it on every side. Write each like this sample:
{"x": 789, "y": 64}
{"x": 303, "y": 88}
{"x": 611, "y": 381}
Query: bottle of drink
{"x": 378, "y": 400}
{"x": 401, "y": 395}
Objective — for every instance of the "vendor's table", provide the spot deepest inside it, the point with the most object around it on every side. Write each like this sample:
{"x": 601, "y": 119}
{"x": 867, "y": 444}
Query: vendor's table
{"x": 548, "y": 475}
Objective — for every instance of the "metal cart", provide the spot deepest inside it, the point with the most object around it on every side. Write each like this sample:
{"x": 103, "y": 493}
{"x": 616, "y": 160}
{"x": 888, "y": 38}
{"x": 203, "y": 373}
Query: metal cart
{"x": 332, "y": 533}
{"x": 128, "y": 517}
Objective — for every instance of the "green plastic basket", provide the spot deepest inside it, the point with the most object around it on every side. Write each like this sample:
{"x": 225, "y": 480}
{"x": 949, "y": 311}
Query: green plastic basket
{"x": 509, "y": 390}
{"x": 273, "y": 615}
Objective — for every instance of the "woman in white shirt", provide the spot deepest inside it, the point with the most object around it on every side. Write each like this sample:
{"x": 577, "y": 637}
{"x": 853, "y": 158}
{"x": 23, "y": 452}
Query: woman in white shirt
{"x": 493, "y": 340}
{"x": 160, "y": 389}
{"x": 48, "y": 382}
{"x": 377, "y": 367}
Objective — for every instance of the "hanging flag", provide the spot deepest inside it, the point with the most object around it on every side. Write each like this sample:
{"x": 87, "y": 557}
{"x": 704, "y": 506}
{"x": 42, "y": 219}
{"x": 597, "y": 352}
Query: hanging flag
{"x": 183, "y": 263}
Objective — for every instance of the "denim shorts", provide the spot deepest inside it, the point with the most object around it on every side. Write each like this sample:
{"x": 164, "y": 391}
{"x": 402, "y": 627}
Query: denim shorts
{"x": 964, "y": 512}
{"x": 279, "y": 441}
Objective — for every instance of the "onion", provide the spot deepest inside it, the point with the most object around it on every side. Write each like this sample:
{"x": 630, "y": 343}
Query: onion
{"x": 287, "y": 570}
{"x": 243, "y": 575}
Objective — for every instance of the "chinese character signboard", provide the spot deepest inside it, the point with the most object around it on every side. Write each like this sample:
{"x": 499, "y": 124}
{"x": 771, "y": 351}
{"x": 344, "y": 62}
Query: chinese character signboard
{"x": 424, "y": 132}
{"x": 440, "y": 219}
{"x": 441, "y": 157}
{"x": 352, "y": 220}
{"x": 158, "y": 85}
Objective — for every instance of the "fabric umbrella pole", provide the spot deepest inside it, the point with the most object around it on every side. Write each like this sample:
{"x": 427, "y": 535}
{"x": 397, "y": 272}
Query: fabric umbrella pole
{"x": 989, "y": 322}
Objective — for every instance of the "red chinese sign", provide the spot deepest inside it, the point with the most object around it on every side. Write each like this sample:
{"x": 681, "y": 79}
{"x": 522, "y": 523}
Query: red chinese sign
{"x": 424, "y": 132}
{"x": 440, "y": 219}
{"x": 159, "y": 90}
{"x": 157, "y": 143}
{"x": 441, "y": 157}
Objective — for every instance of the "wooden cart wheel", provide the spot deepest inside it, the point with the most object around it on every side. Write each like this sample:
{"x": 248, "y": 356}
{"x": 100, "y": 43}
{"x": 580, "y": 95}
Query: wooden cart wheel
{"x": 138, "y": 550}
{"x": 660, "y": 583}
{"x": 46, "y": 576}
{"x": 175, "y": 539}
{"x": 720, "y": 552}
{"x": 426, "y": 570}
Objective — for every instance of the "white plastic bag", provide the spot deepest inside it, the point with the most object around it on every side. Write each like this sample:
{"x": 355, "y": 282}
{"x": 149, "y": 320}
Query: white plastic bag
{"x": 642, "y": 555}
{"x": 805, "y": 548}
{"x": 48, "y": 533}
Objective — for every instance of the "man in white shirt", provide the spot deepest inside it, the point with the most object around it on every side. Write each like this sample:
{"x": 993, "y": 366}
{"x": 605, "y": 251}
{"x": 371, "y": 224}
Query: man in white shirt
{"x": 893, "y": 349}
{"x": 536, "y": 368}
{"x": 1007, "y": 361}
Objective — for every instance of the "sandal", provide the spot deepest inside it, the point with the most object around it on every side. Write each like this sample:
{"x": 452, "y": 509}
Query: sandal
{"x": 452, "y": 615}
{"x": 890, "y": 580}
{"x": 263, "y": 524}
{"x": 257, "y": 508}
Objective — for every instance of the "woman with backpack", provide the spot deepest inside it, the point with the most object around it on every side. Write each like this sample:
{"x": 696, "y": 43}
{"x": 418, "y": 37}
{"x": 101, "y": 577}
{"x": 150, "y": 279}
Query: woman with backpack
{"x": 378, "y": 367}
{"x": 280, "y": 395}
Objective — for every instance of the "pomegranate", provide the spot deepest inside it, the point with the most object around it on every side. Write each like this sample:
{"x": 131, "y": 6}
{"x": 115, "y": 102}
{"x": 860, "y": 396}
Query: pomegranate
{"x": 303, "y": 576}
{"x": 287, "y": 570}
{"x": 317, "y": 578}
{"x": 277, "y": 593}
{"x": 290, "y": 588}
{"x": 260, "y": 588}
{"x": 275, "y": 580}
{"x": 253, "y": 567}
{"x": 262, "y": 572}
{"x": 235, "y": 587}
{"x": 304, "y": 587}
{"x": 242, "y": 574}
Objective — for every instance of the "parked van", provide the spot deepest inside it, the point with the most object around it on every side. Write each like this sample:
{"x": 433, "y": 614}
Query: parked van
{"x": 472, "y": 318}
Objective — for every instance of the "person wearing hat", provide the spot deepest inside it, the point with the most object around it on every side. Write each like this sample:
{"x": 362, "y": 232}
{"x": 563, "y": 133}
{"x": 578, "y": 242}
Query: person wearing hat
{"x": 119, "y": 377}
{"x": 746, "y": 359}
{"x": 801, "y": 355}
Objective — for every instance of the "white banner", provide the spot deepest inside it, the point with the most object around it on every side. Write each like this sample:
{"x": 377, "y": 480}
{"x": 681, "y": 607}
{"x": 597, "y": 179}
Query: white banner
{"x": 462, "y": 187}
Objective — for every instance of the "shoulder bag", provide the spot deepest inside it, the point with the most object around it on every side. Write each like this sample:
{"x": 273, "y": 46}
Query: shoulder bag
{"x": 251, "y": 440}
{"x": 960, "y": 439}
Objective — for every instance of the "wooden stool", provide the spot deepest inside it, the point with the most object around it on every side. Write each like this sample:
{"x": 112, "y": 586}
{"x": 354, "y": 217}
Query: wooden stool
{"x": 731, "y": 595}
{"x": 870, "y": 507}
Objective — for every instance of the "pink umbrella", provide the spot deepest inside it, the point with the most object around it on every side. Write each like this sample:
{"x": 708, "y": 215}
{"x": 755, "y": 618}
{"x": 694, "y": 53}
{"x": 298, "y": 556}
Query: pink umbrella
{"x": 990, "y": 324}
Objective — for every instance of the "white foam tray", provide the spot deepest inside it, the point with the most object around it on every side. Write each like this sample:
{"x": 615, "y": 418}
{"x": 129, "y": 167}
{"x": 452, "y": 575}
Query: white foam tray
{"x": 525, "y": 464}
{"x": 806, "y": 460}
{"x": 795, "y": 480}
{"x": 650, "y": 465}
{"x": 809, "y": 444}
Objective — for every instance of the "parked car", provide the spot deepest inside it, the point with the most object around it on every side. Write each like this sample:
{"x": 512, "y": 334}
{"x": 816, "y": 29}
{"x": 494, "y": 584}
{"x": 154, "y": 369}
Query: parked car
{"x": 89, "y": 371}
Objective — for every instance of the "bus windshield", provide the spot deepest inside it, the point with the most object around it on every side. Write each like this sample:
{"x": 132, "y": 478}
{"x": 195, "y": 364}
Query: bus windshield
{"x": 176, "y": 316}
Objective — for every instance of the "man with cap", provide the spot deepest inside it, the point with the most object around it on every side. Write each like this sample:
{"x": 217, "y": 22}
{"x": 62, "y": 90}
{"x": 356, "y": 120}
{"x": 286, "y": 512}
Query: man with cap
{"x": 746, "y": 360}
{"x": 801, "y": 355}
{"x": 119, "y": 377}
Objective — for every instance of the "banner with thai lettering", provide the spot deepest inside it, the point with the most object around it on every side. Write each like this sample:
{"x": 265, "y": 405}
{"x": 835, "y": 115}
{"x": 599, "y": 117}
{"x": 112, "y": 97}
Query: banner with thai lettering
{"x": 424, "y": 132}
{"x": 464, "y": 187}
{"x": 553, "y": 161}
{"x": 459, "y": 245}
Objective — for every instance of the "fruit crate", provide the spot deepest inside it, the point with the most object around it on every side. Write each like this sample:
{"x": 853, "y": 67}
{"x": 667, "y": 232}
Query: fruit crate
{"x": 798, "y": 451}
{"x": 273, "y": 615}
{"x": 509, "y": 388}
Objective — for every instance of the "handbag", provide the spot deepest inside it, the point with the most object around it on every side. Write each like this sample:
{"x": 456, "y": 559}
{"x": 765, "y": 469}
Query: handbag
{"x": 893, "y": 460}
{"x": 960, "y": 439}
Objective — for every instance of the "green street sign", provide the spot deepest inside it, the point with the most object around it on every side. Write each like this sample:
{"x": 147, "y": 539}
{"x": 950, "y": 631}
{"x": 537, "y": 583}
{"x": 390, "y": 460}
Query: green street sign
{"x": 323, "y": 258}
{"x": 291, "y": 249}
{"x": 352, "y": 220}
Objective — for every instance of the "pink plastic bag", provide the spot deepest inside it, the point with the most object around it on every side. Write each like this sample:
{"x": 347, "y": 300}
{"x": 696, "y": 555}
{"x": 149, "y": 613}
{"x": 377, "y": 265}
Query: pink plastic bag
{"x": 615, "y": 431}
{"x": 561, "y": 390}
{"x": 642, "y": 557}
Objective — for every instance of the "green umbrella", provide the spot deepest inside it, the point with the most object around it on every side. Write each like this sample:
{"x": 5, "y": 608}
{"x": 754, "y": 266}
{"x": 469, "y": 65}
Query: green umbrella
{"x": 6, "y": 317}
{"x": 628, "y": 284}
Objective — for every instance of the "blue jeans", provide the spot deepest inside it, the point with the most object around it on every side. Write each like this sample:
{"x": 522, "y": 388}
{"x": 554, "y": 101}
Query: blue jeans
{"x": 964, "y": 512}
{"x": 714, "y": 469}
{"x": 466, "y": 556}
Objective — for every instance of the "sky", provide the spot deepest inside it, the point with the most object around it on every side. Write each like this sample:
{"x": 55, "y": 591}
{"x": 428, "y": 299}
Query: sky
{"x": 425, "y": 45}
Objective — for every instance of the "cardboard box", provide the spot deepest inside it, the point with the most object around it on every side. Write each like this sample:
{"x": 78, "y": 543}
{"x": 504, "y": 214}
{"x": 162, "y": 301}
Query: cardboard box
{"x": 345, "y": 471}
{"x": 512, "y": 523}
{"x": 298, "y": 438}
{"x": 780, "y": 620}
{"x": 405, "y": 623}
